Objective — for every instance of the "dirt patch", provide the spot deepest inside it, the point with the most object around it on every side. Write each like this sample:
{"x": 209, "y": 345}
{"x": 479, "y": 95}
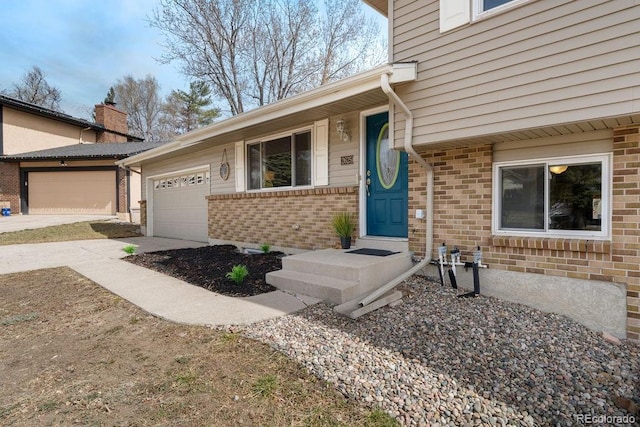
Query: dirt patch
{"x": 208, "y": 266}
{"x": 72, "y": 353}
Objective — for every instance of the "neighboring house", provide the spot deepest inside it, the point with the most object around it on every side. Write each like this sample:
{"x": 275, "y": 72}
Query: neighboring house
{"x": 52, "y": 163}
{"x": 521, "y": 120}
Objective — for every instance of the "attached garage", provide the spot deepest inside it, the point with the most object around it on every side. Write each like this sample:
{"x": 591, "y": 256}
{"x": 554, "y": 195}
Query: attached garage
{"x": 179, "y": 206}
{"x": 72, "y": 192}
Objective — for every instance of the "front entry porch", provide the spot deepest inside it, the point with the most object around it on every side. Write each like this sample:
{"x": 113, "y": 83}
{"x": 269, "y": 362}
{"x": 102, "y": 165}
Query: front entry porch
{"x": 337, "y": 276}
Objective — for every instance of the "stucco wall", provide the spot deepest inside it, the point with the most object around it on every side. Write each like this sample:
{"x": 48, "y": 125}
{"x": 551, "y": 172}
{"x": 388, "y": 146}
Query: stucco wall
{"x": 23, "y": 132}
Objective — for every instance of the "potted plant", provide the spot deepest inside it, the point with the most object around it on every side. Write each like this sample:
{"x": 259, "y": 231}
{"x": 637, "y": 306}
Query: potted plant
{"x": 344, "y": 224}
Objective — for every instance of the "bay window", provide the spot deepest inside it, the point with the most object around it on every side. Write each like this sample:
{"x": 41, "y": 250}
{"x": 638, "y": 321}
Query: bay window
{"x": 555, "y": 197}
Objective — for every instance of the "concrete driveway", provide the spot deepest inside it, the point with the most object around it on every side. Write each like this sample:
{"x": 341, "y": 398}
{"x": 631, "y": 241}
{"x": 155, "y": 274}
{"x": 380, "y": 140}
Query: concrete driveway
{"x": 156, "y": 293}
{"x": 25, "y": 222}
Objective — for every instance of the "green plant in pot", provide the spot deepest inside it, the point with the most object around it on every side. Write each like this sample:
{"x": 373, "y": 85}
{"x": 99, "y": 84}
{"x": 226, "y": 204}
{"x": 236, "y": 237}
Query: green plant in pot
{"x": 344, "y": 224}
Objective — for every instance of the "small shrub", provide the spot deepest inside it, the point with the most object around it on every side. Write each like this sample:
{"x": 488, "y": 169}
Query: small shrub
{"x": 265, "y": 248}
{"x": 129, "y": 249}
{"x": 238, "y": 273}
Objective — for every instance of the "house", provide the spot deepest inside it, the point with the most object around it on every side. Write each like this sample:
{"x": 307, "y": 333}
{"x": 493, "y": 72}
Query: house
{"x": 509, "y": 125}
{"x": 52, "y": 163}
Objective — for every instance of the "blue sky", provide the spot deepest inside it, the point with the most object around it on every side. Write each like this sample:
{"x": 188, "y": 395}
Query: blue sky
{"x": 83, "y": 47}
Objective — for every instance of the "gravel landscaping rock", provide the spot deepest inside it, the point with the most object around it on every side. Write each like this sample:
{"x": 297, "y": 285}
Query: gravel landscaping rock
{"x": 438, "y": 360}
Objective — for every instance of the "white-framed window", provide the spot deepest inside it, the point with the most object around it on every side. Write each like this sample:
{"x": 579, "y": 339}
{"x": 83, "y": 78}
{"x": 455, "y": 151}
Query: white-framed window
{"x": 553, "y": 197}
{"x": 456, "y": 13}
{"x": 283, "y": 161}
{"x": 486, "y": 7}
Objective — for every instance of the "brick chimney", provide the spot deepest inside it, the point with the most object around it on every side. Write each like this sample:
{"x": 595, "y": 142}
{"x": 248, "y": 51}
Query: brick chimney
{"x": 114, "y": 120}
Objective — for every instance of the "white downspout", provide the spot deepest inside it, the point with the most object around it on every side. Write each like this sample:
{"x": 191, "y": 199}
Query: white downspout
{"x": 408, "y": 147}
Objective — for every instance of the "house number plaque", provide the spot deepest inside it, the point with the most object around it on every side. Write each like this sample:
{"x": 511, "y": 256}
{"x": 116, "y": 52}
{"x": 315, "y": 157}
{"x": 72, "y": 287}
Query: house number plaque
{"x": 346, "y": 160}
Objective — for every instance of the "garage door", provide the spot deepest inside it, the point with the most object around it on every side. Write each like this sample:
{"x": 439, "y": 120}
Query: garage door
{"x": 72, "y": 192}
{"x": 180, "y": 206}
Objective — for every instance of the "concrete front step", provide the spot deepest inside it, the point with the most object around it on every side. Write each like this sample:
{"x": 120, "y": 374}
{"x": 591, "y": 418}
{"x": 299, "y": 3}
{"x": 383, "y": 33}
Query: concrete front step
{"x": 336, "y": 276}
{"x": 321, "y": 287}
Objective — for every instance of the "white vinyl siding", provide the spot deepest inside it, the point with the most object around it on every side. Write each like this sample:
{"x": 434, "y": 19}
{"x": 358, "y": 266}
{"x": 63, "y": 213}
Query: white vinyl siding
{"x": 542, "y": 64}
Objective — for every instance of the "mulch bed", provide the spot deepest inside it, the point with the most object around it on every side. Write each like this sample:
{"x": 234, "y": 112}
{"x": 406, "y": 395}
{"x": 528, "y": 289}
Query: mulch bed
{"x": 207, "y": 267}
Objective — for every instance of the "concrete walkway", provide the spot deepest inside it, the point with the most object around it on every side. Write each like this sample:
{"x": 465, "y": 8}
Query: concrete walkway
{"x": 156, "y": 293}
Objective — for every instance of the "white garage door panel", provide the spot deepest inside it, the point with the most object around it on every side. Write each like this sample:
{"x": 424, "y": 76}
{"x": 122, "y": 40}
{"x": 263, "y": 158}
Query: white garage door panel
{"x": 181, "y": 212}
{"x": 72, "y": 192}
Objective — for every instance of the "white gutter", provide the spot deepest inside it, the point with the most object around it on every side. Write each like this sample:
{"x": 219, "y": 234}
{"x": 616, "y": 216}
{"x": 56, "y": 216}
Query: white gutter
{"x": 408, "y": 147}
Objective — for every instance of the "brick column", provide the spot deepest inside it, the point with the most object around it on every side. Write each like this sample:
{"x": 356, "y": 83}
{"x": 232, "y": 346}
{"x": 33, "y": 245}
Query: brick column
{"x": 10, "y": 185}
{"x": 626, "y": 220}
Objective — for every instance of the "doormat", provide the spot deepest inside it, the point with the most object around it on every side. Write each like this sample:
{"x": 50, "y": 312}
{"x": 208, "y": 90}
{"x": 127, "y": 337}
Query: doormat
{"x": 374, "y": 252}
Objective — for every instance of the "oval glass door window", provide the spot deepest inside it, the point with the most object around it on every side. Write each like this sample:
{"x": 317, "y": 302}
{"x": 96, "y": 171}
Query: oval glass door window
{"x": 387, "y": 159}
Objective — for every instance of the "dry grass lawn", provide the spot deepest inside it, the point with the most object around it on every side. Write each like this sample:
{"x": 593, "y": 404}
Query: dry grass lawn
{"x": 73, "y": 353}
{"x": 87, "y": 230}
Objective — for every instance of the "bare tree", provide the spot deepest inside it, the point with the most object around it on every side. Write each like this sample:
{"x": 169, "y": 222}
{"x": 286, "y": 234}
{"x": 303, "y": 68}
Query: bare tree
{"x": 35, "y": 89}
{"x": 343, "y": 24}
{"x": 141, "y": 99}
{"x": 256, "y": 52}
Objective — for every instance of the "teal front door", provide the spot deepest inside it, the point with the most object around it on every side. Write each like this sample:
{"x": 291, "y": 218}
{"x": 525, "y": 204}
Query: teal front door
{"x": 387, "y": 182}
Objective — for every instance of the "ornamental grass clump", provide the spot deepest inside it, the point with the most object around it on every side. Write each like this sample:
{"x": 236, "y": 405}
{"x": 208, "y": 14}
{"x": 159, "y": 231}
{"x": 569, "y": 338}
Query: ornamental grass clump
{"x": 238, "y": 273}
{"x": 343, "y": 224}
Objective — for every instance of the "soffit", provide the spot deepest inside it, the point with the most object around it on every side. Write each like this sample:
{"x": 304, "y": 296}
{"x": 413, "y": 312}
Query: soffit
{"x": 529, "y": 134}
{"x": 379, "y": 5}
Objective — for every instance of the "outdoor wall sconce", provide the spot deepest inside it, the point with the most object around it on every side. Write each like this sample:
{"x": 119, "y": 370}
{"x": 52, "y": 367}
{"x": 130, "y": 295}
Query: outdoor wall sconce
{"x": 344, "y": 134}
{"x": 558, "y": 169}
{"x": 63, "y": 163}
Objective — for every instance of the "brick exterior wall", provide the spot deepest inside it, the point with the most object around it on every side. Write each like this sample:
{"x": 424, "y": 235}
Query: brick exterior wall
{"x": 624, "y": 264}
{"x": 112, "y": 119}
{"x": 121, "y": 177}
{"x": 10, "y": 186}
{"x": 462, "y": 217}
{"x": 143, "y": 216}
{"x": 294, "y": 219}
{"x": 462, "y": 198}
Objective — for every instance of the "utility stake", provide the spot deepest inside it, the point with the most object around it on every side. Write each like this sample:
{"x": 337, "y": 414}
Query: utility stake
{"x": 455, "y": 259}
{"x": 442, "y": 253}
{"x": 477, "y": 263}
